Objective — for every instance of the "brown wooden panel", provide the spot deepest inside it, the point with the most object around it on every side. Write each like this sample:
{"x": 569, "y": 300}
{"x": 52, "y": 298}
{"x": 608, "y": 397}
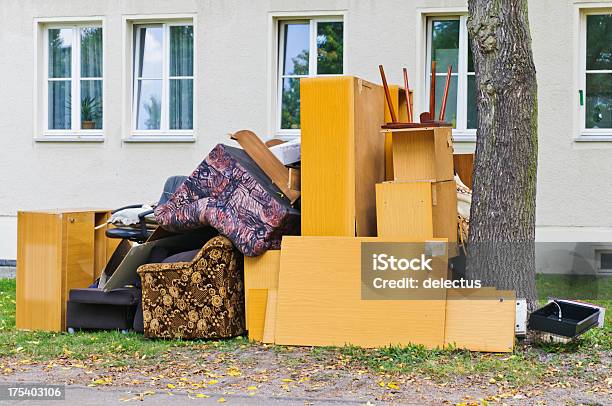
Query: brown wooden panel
{"x": 464, "y": 167}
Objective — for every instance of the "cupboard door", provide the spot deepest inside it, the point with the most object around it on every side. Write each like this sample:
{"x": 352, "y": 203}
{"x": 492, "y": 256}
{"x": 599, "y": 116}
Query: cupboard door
{"x": 78, "y": 269}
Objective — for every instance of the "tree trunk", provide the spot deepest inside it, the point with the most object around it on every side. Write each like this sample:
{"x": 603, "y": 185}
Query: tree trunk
{"x": 501, "y": 249}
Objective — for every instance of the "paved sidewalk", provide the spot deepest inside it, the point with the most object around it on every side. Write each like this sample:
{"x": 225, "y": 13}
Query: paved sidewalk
{"x": 85, "y": 396}
{"x": 7, "y": 272}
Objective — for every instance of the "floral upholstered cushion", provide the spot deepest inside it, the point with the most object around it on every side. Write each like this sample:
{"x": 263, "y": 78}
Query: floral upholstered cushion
{"x": 229, "y": 192}
{"x": 199, "y": 299}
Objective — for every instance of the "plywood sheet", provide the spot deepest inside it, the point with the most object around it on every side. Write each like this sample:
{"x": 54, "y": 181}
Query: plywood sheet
{"x": 270, "y": 322}
{"x": 260, "y": 273}
{"x": 319, "y": 300}
{"x": 257, "y": 309}
{"x": 480, "y": 319}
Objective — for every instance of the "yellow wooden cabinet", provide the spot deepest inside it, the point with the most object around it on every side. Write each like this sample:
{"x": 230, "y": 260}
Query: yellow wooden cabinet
{"x": 422, "y": 153}
{"x": 343, "y": 155}
{"x": 57, "y": 250}
{"x": 418, "y": 210}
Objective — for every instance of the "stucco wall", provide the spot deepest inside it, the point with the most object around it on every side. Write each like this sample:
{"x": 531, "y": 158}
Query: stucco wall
{"x": 233, "y": 91}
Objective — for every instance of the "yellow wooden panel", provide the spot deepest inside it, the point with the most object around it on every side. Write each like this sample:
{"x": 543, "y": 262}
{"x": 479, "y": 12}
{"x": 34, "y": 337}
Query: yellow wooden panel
{"x": 340, "y": 130}
{"x": 260, "y": 273}
{"x": 423, "y": 154}
{"x": 39, "y": 276}
{"x": 78, "y": 254}
{"x": 103, "y": 246}
{"x": 328, "y": 156}
{"x": 369, "y": 154}
{"x": 404, "y": 209}
{"x": 270, "y": 322}
{"x": 445, "y": 210}
{"x": 319, "y": 300}
{"x": 480, "y": 319}
{"x": 257, "y": 309}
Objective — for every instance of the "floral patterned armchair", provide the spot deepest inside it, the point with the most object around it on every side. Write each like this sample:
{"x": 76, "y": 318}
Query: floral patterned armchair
{"x": 203, "y": 298}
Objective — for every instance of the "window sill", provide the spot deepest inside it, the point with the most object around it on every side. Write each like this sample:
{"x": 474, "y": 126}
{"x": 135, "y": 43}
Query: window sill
{"x": 69, "y": 138}
{"x": 159, "y": 138}
{"x": 593, "y": 138}
{"x": 464, "y": 137}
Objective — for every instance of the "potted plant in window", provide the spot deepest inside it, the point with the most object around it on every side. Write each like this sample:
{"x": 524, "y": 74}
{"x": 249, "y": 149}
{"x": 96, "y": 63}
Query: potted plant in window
{"x": 90, "y": 112}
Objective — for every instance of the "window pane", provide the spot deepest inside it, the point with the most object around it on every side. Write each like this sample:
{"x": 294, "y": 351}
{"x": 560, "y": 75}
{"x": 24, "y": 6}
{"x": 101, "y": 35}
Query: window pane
{"x": 149, "y": 104}
{"x": 451, "y": 103}
{"x": 329, "y": 48}
{"x": 150, "y": 52}
{"x": 181, "y": 50}
{"x": 91, "y": 104}
{"x": 598, "y": 100}
{"x": 599, "y": 42}
{"x": 297, "y": 44}
{"x": 472, "y": 112}
{"x": 445, "y": 44}
{"x": 91, "y": 52}
{"x": 290, "y": 114}
{"x": 181, "y": 104}
{"x": 59, "y": 105}
{"x": 60, "y": 52}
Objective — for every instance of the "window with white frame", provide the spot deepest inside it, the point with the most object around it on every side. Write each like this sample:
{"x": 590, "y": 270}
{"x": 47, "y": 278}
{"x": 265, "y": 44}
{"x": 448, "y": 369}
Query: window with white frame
{"x": 163, "y": 79}
{"x": 73, "y": 70}
{"x": 448, "y": 44}
{"x": 306, "y": 48}
{"x": 596, "y": 77}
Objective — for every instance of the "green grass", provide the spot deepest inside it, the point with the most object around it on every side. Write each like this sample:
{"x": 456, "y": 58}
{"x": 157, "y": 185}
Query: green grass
{"x": 111, "y": 345}
{"x": 524, "y": 366}
{"x": 581, "y": 287}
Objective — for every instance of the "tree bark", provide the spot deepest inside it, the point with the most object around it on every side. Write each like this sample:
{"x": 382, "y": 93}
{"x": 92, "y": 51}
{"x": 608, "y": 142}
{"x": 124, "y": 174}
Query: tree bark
{"x": 501, "y": 250}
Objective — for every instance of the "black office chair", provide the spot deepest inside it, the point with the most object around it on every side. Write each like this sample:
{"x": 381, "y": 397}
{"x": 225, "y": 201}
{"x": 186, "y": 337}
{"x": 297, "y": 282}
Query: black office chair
{"x": 142, "y": 233}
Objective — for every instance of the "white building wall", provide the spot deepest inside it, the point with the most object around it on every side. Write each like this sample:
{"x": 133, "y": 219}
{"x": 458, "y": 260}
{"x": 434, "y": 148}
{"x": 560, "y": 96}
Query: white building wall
{"x": 234, "y": 87}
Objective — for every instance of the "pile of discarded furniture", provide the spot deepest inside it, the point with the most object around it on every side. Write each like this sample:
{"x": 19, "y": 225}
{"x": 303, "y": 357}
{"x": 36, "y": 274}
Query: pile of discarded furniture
{"x": 268, "y": 238}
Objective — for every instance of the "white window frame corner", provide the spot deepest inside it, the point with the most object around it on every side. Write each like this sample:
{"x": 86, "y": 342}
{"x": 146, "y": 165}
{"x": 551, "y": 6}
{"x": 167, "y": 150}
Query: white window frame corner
{"x": 275, "y": 21}
{"x": 128, "y": 116}
{"x": 423, "y": 56}
{"x": 581, "y": 11}
{"x": 40, "y": 112}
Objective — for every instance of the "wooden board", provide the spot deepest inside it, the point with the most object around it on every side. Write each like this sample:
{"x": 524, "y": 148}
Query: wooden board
{"x": 417, "y": 210}
{"x": 257, "y": 309}
{"x": 444, "y": 195}
{"x": 340, "y": 124}
{"x": 39, "y": 275}
{"x": 464, "y": 167}
{"x": 423, "y": 154}
{"x": 270, "y": 322}
{"x": 260, "y": 273}
{"x": 480, "y": 319}
{"x": 319, "y": 300}
{"x": 404, "y": 209}
{"x": 267, "y": 161}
